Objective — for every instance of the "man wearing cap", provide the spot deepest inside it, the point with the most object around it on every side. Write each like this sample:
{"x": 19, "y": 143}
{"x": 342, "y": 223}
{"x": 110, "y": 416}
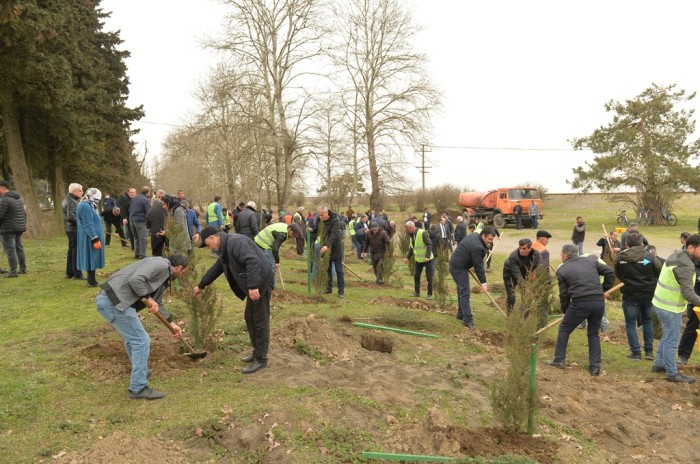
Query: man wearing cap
{"x": 273, "y": 236}
{"x": 251, "y": 277}
{"x": 541, "y": 246}
{"x": 299, "y": 220}
{"x": 361, "y": 228}
{"x": 376, "y": 242}
{"x": 517, "y": 267}
{"x": 248, "y": 221}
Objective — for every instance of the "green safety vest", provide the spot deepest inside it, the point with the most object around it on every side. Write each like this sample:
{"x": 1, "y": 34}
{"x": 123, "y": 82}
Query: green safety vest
{"x": 351, "y": 226}
{"x": 479, "y": 227}
{"x": 419, "y": 247}
{"x": 265, "y": 239}
{"x": 667, "y": 295}
{"x": 227, "y": 218}
{"x": 211, "y": 215}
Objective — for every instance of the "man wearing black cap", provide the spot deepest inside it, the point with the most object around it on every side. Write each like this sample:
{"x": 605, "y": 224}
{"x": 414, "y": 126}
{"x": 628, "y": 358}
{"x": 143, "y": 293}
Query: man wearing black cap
{"x": 376, "y": 242}
{"x": 541, "y": 246}
{"x": 250, "y": 274}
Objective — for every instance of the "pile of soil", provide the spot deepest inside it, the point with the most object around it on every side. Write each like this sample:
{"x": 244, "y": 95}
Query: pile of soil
{"x": 490, "y": 341}
{"x": 437, "y": 437}
{"x": 404, "y": 303}
{"x": 283, "y": 296}
{"x": 319, "y": 336}
{"x": 120, "y": 448}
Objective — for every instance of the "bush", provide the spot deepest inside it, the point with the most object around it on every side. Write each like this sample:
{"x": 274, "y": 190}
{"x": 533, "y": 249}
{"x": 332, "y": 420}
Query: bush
{"x": 442, "y": 274}
{"x": 444, "y": 196}
{"x": 403, "y": 200}
{"x": 404, "y": 245}
{"x": 388, "y": 269}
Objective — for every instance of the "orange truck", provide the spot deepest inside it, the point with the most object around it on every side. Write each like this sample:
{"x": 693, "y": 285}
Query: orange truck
{"x": 496, "y": 206}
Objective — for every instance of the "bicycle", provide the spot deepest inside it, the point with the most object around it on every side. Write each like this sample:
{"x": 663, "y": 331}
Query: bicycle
{"x": 622, "y": 218}
{"x": 644, "y": 216}
{"x": 668, "y": 218}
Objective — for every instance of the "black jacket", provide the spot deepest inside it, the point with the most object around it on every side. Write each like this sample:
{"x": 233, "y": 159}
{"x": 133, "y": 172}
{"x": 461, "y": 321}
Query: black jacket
{"x": 579, "y": 233}
{"x": 68, "y": 207}
{"x": 13, "y": 218}
{"x": 605, "y": 252}
{"x": 111, "y": 218}
{"x": 244, "y": 264}
{"x": 516, "y": 267}
{"x": 155, "y": 218}
{"x": 333, "y": 236}
{"x": 376, "y": 242}
{"x": 248, "y": 223}
{"x": 124, "y": 202}
{"x": 638, "y": 270}
{"x": 470, "y": 253}
{"x": 579, "y": 279}
{"x": 460, "y": 231}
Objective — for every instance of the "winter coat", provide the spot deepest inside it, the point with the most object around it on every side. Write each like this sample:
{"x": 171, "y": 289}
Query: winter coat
{"x": 244, "y": 264}
{"x": 639, "y": 271}
{"x": 124, "y": 202}
{"x": 516, "y": 267}
{"x": 90, "y": 229}
{"x": 138, "y": 208}
{"x": 376, "y": 242}
{"x": 13, "y": 218}
{"x": 68, "y": 208}
{"x": 579, "y": 279}
{"x": 470, "y": 253}
{"x": 155, "y": 218}
{"x": 579, "y": 233}
{"x": 460, "y": 231}
{"x": 248, "y": 223}
{"x": 333, "y": 237}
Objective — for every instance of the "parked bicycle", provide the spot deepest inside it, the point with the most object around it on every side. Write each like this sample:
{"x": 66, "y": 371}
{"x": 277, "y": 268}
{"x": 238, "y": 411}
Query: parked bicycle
{"x": 622, "y": 218}
{"x": 644, "y": 216}
{"x": 668, "y": 217}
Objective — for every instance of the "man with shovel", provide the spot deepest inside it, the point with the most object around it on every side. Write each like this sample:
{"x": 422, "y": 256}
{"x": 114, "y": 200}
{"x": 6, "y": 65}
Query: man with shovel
{"x": 120, "y": 299}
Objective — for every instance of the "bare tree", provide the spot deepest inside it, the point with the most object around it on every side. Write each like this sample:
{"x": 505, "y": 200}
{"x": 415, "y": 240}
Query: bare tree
{"x": 272, "y": 39}
{"x": 393, "y": 97}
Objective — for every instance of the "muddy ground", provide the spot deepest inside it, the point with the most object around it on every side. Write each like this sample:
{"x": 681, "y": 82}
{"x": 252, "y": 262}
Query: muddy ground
{"x": 622, "y": 419}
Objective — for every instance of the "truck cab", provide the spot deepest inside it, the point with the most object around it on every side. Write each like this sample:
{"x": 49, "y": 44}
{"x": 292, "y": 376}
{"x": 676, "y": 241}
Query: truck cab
{"x": 496, "y": 206}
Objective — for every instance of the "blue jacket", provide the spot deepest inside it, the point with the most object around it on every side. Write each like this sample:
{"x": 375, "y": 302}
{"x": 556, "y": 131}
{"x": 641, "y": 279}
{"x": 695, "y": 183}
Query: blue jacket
{"x": 192, "y": 222}
{"x": 138, "y": 208}
{"x": 89, "y": 228}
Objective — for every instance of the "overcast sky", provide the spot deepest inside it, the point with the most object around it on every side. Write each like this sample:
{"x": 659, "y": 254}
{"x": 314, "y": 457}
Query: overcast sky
{"x": 518, "y": 78}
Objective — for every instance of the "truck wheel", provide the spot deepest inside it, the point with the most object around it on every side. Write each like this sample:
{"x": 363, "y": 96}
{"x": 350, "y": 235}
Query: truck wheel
{"x": 498, "y": 221}
{"x": 527, "y": 223}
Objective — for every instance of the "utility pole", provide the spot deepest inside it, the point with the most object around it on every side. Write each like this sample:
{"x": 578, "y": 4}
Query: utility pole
{"x": 422, "y": 169}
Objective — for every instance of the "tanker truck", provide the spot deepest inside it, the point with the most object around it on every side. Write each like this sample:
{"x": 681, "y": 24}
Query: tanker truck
{"x": 496, "y": 206}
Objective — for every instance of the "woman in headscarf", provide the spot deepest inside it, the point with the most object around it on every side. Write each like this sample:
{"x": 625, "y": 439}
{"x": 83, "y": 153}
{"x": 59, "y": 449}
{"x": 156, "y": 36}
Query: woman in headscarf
{"x": 176, "y": 213}
{"x": 91, "y": 254}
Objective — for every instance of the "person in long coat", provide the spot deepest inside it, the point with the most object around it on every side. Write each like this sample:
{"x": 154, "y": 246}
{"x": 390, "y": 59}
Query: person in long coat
{"x": 91, "y": 237}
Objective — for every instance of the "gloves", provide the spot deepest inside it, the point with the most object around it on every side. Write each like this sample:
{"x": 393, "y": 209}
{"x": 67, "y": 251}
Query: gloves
{"x": 96, "y": 244}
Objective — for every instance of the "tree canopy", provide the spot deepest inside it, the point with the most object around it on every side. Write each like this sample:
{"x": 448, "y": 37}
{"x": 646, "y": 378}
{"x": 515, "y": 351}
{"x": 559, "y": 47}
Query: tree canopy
{"x": 647, "y": 147}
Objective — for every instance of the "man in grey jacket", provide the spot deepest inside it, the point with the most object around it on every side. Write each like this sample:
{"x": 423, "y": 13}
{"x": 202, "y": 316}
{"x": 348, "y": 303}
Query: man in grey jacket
{"x": 120, "y": 299}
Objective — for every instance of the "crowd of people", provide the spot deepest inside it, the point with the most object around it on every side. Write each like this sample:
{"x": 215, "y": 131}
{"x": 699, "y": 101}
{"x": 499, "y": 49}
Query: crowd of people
{"x": 246, "y": 243}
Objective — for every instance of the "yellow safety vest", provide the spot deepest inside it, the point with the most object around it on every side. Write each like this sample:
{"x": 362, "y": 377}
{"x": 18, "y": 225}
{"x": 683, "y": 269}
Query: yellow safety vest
{"x": 419, "y": 247}
{"x": 351, "y": 226}
{"x": 667, "y": 295}
{"x": 265, "y": 239}
{"x": 211, "y": 215}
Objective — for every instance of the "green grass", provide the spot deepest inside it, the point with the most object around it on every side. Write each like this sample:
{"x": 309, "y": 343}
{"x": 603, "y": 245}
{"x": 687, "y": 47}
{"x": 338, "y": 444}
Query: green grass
{"x": 50, "y": 400}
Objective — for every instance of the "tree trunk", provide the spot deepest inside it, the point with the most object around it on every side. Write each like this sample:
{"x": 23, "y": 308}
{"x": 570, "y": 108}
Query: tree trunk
{"x": 18, "y": 163}
{"x": 58, "y": 191}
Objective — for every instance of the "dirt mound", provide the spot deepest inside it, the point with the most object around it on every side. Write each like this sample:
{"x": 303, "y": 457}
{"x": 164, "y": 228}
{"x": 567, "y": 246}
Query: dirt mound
{"x": 436, "y": 436}
{"x": 489, "y": 340}
{"x": 319, "y": 337}
{"x": 283, "y": 296}
{"x": 404, "y": 303}
{"x": 120, "y": 448}
{"x": 107, "y": 361}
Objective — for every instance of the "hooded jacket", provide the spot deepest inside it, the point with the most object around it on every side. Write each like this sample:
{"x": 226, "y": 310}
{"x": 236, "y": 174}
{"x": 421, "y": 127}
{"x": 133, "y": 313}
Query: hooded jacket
{"x": 579, "y": 279}
{"x": 333, "y": 236}
{"x": 13, "y": 218}
{"x": 248, "y": 223}
{"x": 638, "y": 270}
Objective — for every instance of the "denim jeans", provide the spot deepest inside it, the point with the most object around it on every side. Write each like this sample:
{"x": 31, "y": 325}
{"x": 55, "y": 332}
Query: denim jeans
{"x": 580, "y": 247}
{"x": 464, "y": 310}
{"x": 633, "y": 310}
{"x": 579, "y": 311}
{"x": 14, "y": 249}
{"x": 136, "y": 339}
{"x": 140, "y": 232}
{"x": 337, "y": 266}
{"x": 535, "y": 221}
{"x": 670, "y": 332}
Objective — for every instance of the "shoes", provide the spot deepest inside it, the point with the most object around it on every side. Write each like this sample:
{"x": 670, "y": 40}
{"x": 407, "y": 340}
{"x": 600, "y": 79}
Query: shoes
{"x": 634, "y": 356}
{"x": 254, "y": 366}
{"x": 94, "y": 284}
{"x": 582, "y": 325}
{"x": 460, "y": 317}
{"x": 680, "y": 378}
{"x": 247, "y": 359}
{"x": 10, "y": 275}
{"x": 658, "y": 368}
{"x": 682, "y": 360}
{"x": 80, "y": 277}
{"x": 415, "y": 294}
{"x": 3, "y": 271}
{"x": 341, "y": 295}
{"x": 649, "y": 355}
{"x": 430, "y": 297}
{"x": 559, "y": 364}
{"x": 469, "y": 325}
{"x": 327, "y": 291}
{"x": 24, "y": 272}
{"x": 146, "y": 394}
{"x": 595, "y": 372}
{"x": 380, "y": 282}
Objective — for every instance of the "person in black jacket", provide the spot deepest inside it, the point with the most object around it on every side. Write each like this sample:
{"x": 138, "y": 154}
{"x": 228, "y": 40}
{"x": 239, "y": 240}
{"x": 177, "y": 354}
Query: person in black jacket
{"x": 638, "y": 270}
{"x": 470, "y": 254}
{"x": 517, "y": 268}
{"x": 155, "y": 220}
{"x": 250, "y": 277}
{"x": 460, "y": 230}
{"x": 579, "y": 234}
{"x": 582, "y": 298}
{"x": 13, "y": 223}
{"x": 112, "y": 217}
{"x": 70, "y": 224}
{"x": 376, "y": 242}
{"x": 248, "y": 221}
{"x": 332, "y": 239}
{"x": 124, "y": 203}
{"x": 421, "y": 250}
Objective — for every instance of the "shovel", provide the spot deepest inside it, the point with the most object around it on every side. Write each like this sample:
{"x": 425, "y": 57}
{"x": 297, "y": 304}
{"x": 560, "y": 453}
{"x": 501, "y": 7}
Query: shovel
{"x": 191, "y": 353}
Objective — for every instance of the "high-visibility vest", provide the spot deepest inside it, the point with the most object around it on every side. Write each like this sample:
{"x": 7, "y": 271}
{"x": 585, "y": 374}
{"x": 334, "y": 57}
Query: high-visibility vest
{"x": 265, "y": 239}
{"x": 667, "y": 295}
{"x": 211, "y": 214}
{"x": 297, "y": 221}
{"x": 351, "y": 226}
{"x": 419, "y": 247}
{"x": 227, "y": 219}
{"x": 479, "y": 227}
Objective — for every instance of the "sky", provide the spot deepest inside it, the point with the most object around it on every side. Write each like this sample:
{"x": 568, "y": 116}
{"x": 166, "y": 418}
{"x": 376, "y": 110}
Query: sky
{"x": 519, "y": 80}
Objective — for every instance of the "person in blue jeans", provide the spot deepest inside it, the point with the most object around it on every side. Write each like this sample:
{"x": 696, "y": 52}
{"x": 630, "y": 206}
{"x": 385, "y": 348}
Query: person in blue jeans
{"x": 129, "y": 290}
{"x": 332, "y": 242}
{"x": 639, "y": 270}
{"x": 673, "y": 290}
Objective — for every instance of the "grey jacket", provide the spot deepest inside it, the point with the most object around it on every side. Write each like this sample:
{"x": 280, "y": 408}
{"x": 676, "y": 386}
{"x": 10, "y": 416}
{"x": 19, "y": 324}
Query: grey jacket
{"x": 144, "y": 278}
{"x": 579, "y": 279}
{"x": 684, "y": 271}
